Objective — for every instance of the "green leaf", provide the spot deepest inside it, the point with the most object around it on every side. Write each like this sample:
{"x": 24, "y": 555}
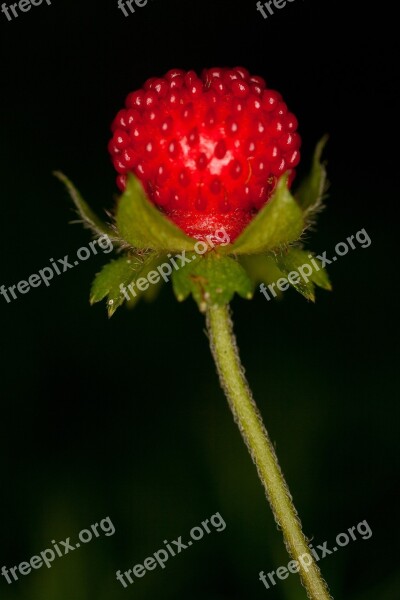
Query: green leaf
{"x": 212, "y": 279}
{"x": 142, "y": 225}
{"x": 312, "y": 189}
{"x": 278, "y": 223}
{"x": 89, "y": 218}
{"x": 123, "y": 271}
{"x": 309, "y": 270}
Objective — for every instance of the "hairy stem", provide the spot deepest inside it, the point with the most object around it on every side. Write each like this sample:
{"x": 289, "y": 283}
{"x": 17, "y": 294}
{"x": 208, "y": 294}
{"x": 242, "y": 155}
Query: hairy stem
{"x": 248, "y": 418}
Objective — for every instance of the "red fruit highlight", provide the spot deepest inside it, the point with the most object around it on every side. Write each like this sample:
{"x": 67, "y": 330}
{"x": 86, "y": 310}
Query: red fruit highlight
{"x": 208, "y": 150}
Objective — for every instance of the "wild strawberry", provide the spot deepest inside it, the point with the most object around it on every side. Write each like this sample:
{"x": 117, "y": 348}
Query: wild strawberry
{"x": 207, "y": 150}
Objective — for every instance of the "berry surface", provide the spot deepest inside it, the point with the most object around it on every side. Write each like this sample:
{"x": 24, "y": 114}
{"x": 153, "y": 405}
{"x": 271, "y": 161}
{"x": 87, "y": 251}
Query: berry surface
{"x": 208, "y": 150}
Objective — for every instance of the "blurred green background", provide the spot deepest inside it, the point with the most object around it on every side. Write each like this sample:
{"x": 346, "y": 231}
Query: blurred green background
{"x": 125, "y": 418}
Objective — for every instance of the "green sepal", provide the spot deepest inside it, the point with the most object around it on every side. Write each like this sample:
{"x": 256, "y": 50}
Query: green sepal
{"x": 124, "y": 270}
{"x": 295, "y": 259}
{"x": 141, "y": 225}
{"x": 262, "y": 268}
{"x": 153, "y": 290}
{"x": 270, "y": 268}
{"x": 212, "y": 279}
{"x": 279, "y": 223}
{"x": 311, "y": 190}
{"x": 89, "y": 218}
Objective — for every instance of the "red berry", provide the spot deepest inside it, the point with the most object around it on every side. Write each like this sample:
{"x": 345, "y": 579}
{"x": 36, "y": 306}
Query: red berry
{"x": 120, "y": 139}
{"x": 208, "y": 150}
{"x": 270, "y": 100}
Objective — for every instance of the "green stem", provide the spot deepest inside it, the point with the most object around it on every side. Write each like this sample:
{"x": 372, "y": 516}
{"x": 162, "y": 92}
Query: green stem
{"x": 248, "y": 418}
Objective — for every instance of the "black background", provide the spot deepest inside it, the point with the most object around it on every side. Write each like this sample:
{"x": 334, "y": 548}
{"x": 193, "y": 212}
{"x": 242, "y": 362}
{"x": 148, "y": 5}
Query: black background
{"x": 125, "y": 417}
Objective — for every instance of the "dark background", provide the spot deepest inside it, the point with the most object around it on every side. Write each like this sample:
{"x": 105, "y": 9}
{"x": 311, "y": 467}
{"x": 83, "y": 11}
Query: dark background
{"x": 125, "y": 417}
